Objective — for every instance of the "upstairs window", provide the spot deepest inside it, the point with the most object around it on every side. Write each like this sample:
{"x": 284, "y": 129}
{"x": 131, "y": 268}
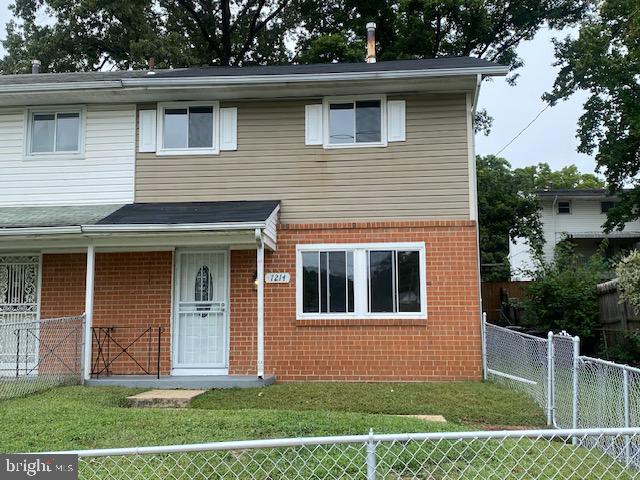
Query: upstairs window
{"x": 564, "y": 207}
{"x": 355, "y": 122}
{"x": 606, "y": 206}
{"x": 54, "y": 132}
{"x": 361, "y": 281}
{"x": 188, "y": 128}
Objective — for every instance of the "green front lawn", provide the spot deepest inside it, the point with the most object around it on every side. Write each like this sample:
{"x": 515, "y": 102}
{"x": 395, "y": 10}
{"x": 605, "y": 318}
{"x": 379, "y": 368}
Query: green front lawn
{"x": 472, "y": 403}
{"x": 80, "y": 418}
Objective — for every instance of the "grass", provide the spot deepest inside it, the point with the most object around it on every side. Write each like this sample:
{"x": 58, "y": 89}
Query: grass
{"x": 471, "y": 403}
{"x": 80, "y": 418}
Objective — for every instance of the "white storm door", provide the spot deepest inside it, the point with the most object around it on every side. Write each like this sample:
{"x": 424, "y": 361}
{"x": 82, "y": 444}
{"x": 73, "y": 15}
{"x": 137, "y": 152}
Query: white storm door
{"x": 201, "y": 317}
{"x": 19, "y": 313}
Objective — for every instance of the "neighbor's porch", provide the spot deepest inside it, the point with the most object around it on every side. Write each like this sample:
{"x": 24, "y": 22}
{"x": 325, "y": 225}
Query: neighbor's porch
{"x": 158, "y": 298}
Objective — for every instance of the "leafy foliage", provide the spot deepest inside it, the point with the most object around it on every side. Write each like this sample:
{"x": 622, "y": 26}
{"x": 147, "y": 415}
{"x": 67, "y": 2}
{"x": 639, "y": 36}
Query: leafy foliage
{"x": 508, "y": 208}
{"x": 605, "y": 60}
{"x": 628, "y": 273}
{"x": 97, "y": 34}
{"x": 563, "y": 296}
{"x": 541, "y": 177}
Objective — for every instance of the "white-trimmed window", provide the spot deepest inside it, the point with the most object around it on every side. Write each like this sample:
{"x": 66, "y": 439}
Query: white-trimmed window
{"x": 54, "y": 131}
{"x": 382, "y": 280}
{"x": 564, "y": 207}
{"x": 188, "y": 128}
{"x": 355, "y": 121}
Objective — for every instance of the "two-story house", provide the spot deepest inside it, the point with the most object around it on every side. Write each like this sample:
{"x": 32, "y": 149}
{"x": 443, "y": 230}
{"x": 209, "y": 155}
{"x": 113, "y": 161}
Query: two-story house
{"x": 304, "y": 222}
{"x": 578, "y": 216}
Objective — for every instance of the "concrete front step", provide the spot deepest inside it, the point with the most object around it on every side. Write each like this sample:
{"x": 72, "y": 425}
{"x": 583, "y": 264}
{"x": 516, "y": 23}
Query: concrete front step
{"x": 164, "y": 398}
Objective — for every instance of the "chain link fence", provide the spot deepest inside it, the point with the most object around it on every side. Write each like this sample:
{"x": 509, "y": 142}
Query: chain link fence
{"x": 557, "y": 454}
{"x": 576, "y": 391}
{"x": 38, "y": 355}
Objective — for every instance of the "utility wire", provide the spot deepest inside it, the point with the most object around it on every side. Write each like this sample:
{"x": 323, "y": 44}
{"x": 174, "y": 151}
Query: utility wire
{"x": 523, "y": 130}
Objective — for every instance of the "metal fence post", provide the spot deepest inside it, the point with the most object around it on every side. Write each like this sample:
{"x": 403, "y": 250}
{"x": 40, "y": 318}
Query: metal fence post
{"x": 483, "y": 332}
{"x": 550, "y": 373}
{"x": 371, "y": 457}
{"x": 627, "y": 416}
{"x": 576, "y": 354}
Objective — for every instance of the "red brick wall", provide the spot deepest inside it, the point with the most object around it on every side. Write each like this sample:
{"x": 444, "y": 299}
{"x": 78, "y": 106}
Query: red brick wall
{"x": 444, "y": 346}
{"x": 135, "y": 289}
{"x": 132, "y": 289}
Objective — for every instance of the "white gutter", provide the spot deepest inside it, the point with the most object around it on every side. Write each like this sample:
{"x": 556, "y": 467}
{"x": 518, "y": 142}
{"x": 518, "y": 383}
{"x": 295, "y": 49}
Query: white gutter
{"x": 181, "y": 227}
{"x": 159, "y": 228}
{"x": 59, "y": 86}
{"x": 158, "y": 82}
{"x": 40, "y": 231}
{"x": 315, "y": 77}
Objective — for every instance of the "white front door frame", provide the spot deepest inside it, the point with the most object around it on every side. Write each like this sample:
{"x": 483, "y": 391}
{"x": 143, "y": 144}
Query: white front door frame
{"x": 194, "y": 369}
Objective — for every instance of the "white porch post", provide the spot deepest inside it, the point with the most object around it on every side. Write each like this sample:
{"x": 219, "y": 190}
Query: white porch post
{"x": 260, "y": 281}
{"x": 88, "y": 310}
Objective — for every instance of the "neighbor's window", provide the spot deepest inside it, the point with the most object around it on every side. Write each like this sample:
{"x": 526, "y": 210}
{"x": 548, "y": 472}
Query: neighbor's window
{"x": 188, "y": 128}
{"x": 606, "y": 206}
{"x": 564, "y": 207}
{"x": 382, "y": 280}
{"x": 54, "y": 132}
{"x": 355, "y": 122}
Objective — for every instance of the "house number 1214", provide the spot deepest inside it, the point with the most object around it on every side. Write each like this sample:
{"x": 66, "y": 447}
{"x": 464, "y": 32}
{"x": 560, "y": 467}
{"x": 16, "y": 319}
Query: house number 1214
{"x": 277, "y": 278}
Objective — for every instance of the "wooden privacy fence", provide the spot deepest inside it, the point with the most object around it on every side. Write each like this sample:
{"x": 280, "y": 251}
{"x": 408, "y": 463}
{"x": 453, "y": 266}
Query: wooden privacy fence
{"x": 494, "y": 294}
{"x": 616, "y": 318}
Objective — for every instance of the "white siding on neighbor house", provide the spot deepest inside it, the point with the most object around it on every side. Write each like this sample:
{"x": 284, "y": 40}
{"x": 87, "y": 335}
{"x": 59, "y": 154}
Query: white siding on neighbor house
{"x": 585, "y": 219}
{"x": 104, "y": 174}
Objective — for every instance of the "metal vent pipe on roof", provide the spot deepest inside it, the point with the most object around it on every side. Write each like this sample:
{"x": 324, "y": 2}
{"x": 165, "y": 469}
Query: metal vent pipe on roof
{"x": 371, "y": 42}
{"x": 35, "y": 66}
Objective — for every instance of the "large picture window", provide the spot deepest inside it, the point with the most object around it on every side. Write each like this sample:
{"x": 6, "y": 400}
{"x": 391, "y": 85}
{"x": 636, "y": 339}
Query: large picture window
{"x": 361, "y": 280}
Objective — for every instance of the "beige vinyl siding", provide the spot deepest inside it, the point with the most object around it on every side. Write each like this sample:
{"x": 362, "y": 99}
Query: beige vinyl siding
{"x": 425, "y": 177}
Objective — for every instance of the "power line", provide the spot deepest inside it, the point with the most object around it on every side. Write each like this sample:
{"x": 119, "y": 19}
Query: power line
{"x": 523, "y": 130}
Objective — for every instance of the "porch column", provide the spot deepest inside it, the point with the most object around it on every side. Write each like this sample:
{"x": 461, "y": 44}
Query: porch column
{"x": 88, "y": 310}
{"x": 260, "y": 280}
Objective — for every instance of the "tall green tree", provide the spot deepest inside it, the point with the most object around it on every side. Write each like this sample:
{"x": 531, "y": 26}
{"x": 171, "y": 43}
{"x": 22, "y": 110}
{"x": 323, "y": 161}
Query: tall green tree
{"x": 541, "y": 177}
{"x": 87, "y": 35}
{"x": 605, "y": 61}
{"x": 507, "y": 208}
{"x": 94, "y": 34}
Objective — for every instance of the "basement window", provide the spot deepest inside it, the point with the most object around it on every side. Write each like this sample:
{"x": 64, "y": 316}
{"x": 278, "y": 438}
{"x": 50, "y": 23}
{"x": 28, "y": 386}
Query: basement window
{"x": 361, "y": 281}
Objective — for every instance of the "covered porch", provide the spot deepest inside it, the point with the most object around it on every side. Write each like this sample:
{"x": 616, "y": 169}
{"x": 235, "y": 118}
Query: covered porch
{"x": 172, "y": 293}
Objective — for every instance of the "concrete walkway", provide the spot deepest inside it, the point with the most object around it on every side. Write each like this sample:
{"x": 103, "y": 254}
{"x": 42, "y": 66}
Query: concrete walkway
{"x": 164, "y": 398}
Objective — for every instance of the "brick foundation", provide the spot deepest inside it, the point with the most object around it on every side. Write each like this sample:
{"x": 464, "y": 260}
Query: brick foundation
{"x": 134, "y": 289}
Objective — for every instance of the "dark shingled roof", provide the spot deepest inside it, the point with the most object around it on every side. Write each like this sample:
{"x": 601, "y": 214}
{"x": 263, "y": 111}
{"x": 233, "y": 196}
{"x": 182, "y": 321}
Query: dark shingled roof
{"x": 311, "y": 69}
{"x": 191, "y": 212}
{"x": 574, "y": 192}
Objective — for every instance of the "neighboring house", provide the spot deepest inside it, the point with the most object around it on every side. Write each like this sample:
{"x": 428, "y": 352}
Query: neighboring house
{"x": 309, "y": 222}
{"x": 577, "y": 215}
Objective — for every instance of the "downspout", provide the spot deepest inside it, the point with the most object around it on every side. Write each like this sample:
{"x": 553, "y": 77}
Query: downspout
{"x": 260, "y": 302}
{"x": 555, "y": 220}
{"x": 474, "y": 181}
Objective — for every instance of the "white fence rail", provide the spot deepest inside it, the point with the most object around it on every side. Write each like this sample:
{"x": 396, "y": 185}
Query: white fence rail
{"x": 557, "y": 454}
{"x": 576, "y": 391}
{"x": 36, "y": 355}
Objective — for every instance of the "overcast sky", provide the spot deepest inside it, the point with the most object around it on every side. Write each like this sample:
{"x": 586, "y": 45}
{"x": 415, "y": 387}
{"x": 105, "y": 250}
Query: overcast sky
{"x": 550, "y": 139}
